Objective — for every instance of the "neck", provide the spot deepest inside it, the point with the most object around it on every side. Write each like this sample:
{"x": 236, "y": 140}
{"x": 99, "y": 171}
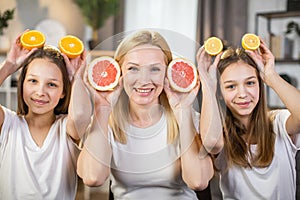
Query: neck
{"x": 144, "y": 116}
{"x": 40, "y": 120}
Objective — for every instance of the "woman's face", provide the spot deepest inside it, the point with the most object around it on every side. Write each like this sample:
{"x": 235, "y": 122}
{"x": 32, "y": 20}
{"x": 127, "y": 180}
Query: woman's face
{"x": 43, "y": 86}
{"x": 143, "y": 72}
{"x": 240, "y": 89}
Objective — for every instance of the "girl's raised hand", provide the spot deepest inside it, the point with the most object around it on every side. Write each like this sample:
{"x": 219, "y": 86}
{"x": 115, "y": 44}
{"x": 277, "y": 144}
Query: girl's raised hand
{"x": 265, "y": 61}
{"x": 74, "y": 64}
{"x": 207, "y": 69}
{"x": 204, "y": 61}
{"x": 17, "y": 54}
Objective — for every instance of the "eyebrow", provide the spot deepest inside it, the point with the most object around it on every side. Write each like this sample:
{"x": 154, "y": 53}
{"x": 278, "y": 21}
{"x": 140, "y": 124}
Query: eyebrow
{"x": 52, "y": 79}
{"x": 132, "y": 63}
{"x": 150, "y": 65}
{"x": 251, "y": 77}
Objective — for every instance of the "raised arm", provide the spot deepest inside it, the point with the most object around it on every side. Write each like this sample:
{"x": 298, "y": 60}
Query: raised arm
{"x": 210, "y": 121}
{"x": 196, "y": 170}
{"x": 81, "y": 106}
{"x": 14, "y": 59}
{"x": 288, "y": 94}
{"x": 93, "y": 164}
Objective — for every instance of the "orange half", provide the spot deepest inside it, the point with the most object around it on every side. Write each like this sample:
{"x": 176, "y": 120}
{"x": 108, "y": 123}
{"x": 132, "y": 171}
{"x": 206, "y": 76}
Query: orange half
{"x": 71, "y": 46}
{"x": 32, "y": 39}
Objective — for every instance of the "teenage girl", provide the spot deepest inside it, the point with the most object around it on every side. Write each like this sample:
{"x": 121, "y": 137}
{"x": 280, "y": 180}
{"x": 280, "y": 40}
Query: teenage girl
{"x": 258, "y": 158}
{"x": 38, "y": 143}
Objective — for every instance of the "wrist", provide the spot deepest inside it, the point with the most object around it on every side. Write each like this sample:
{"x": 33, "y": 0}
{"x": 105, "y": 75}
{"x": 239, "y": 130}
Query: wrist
{"x": 103, "y": 110}
{"x": 183, "y": 114}
{"x": 5, "y": 68}
{"x": 272, "y": 79}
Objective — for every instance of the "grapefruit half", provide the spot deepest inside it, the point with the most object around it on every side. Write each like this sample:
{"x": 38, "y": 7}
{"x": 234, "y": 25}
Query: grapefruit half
{"x": 182, "y": 75}
{"x": 104, "y": 73}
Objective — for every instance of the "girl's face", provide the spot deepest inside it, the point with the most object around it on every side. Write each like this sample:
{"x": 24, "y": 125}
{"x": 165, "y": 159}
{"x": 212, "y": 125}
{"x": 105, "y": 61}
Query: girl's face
{"x": 240, "y": 89}
{"x": 143, "y": 72}
{"x": 43, "y": 86}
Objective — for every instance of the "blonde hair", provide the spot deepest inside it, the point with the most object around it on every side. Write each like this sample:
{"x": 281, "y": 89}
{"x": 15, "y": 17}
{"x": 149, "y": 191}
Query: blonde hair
{"x": 120, "y": 113}
{"x": 236, "y": 147}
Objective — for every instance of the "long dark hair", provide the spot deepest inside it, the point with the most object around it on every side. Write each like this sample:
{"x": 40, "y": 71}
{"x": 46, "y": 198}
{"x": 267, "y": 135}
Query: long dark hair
{"x": 236, "y": 147}
{"x": 55, "y": 57}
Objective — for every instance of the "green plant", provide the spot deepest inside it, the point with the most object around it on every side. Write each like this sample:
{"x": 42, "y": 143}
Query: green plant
{"x": 96, "y": 12}
{"x": 293, "y": 26}
{"x": 4, "y": 18}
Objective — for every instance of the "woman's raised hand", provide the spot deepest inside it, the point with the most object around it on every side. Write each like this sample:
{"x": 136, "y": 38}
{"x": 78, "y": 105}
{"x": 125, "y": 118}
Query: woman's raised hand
{"x": 180, "y": 100}
{"x": 103, "y": 98}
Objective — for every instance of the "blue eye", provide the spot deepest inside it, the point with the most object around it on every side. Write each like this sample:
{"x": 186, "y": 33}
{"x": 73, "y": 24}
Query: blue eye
{"x": 155, "y": 69}
{"x": 132, "y": 68}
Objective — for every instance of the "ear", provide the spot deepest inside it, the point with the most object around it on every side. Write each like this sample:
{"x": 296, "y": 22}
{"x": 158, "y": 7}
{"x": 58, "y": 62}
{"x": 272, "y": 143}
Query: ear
{"x": 62, "y": 96}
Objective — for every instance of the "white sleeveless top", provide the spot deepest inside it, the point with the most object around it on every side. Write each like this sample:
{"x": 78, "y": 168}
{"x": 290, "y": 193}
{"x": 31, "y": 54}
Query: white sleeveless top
{"x": 31, "y": 172}
{"x": 147, "y": 167}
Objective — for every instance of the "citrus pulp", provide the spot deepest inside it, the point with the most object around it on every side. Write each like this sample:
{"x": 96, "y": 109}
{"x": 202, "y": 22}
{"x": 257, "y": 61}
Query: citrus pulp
{"x": 104, "y": 73}
{"x": 182, "y": 75}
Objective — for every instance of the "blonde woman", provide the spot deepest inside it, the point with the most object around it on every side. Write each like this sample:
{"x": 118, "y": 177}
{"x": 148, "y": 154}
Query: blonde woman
{"x": 151, "y": 146}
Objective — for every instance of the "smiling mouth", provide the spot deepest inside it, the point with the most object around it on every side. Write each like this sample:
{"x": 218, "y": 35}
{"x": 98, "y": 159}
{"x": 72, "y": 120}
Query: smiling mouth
{"x": 143, "y": 90}
{"x": 40, "y": 102}
{"x": 243, "y": 104}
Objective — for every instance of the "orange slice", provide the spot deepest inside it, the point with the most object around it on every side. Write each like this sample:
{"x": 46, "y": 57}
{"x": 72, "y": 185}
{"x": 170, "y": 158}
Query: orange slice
{"x": 213, "y": 46}
{"x": 104, "y": 73}
{"x": 182, "y": 75}
{"x": 71, "y": 46}
{"x": 32, "y": 39}
{"x": 250, "y": 41}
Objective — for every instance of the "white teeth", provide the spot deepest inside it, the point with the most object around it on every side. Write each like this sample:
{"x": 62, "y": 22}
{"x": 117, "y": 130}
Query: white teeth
{"x": 143, "y": 91}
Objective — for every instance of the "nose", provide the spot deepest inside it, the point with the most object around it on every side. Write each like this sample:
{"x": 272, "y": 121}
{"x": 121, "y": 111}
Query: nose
{"x": 40, "y": 89}
{"x": 144, "y": 75}
{"x": 242, "y": 92}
